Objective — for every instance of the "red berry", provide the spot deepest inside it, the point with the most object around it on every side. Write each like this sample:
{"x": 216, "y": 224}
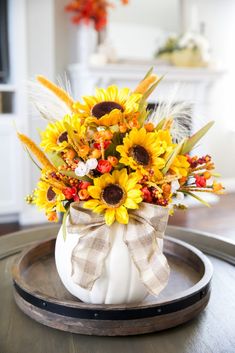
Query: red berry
{"x": 147, "y": 196}
{"x": 76, "y": 198}
{"x": 69, "y": 193}
{"x": 106, "y": 144}
{"x": 83, "y": 184}
{"x": 104, "y": 166}
{"x": 200, "y": 181}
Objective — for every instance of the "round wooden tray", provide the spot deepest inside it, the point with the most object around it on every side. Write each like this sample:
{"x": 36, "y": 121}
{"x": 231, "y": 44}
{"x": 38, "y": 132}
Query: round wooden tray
{"x": 40, "y": 294}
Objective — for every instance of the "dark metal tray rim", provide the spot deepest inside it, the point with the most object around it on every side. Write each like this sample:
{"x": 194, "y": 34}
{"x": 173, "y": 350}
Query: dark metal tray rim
{"x": 201, "y": 287}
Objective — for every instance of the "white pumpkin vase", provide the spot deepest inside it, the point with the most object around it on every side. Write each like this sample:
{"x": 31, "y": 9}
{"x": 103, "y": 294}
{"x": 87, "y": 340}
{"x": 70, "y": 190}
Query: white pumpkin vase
{"x": 124, "y": 277}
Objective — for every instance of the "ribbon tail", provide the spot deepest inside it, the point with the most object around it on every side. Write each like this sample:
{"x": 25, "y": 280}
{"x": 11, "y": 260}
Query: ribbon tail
{"x": 147, "y": 256}
{"x": 89, "y": 255}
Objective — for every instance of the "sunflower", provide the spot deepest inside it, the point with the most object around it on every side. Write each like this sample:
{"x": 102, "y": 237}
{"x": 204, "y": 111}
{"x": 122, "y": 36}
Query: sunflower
{"x": 109, "y": 106}
{"x": 113, "y": 194}
{"x": 55, "y": 137}
{"x": 180, "y": 166}
{"x": 49, "y": 198}
{"x": 141, "y": 151}
{"x": 165, "y": 140}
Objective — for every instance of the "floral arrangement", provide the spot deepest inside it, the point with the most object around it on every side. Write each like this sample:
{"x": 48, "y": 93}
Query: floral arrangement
{"x": 189, "y": 49}
{"x": 111, "y": 153}
{"x": 87, "y": 11}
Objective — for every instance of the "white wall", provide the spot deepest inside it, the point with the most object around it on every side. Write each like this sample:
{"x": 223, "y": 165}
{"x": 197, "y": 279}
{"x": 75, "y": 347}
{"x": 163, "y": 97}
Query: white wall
{"x": 156, "y": 13}
{"x": 220, "y": 29}
{"x": 136, "y": 29}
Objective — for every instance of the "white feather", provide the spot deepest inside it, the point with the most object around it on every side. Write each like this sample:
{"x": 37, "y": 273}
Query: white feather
{"x": 180, "y": 112}
{"x": 64, "y": 83}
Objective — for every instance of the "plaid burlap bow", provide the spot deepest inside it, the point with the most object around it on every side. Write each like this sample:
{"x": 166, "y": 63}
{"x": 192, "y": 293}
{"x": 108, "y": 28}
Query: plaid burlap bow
{"x": 145, "y": 226}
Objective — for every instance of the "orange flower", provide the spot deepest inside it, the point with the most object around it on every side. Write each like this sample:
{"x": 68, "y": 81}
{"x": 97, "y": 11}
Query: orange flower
{"x": 95, "y": 154}
{"x": 134, "y": 122}
{"x": 108, "y": 135}
{"x": 166, "y": 188}
{"x": 94, "y": 11}
{"x": 210, "y": 166}
{"x": 122, "y": 127}
{"x": 83, "y": 194}
{"x": 207, "y": 175}
{"x": 113, "y": 160}
{"x": 52, "y": 216}
{"x": 98, "y": 136}
{"x": 149, "y": 127}
{"x": 217, "y": 187}
{"x": 84, "y": 150}
{"x": 70, "y": 154}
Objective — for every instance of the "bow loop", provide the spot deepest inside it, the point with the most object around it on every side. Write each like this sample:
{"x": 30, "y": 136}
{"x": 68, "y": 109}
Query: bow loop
{"x": 141, "y": 235}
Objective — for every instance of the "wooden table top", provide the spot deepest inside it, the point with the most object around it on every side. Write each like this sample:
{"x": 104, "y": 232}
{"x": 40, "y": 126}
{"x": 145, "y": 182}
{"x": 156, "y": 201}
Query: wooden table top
{"x": 213, "y": 331}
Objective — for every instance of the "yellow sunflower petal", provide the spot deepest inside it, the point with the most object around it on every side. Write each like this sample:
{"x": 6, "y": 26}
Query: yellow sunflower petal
{"x": 91, "y": 204}
{"x": 60, "y": 207}
{"x": 122, "y": 177}
{"x": 100, "y": 94}
{"x": 100, "y": 208}
{"x": 130, "y": 203}
{"x": 157, "y": 173}
{"x": 160, "y": 162}
{"x": 123, "y": 93}
{"x": 94, "y": 191}
{"x": 109, "y": 216}
{"x": 113, "y": 92}
{"x": 133, "y": 193}
{"x": 104, "y": 180}
{"x": 89, "y": 101}
{"x": 113, "y": 118}
{"x": 122, "y": 215}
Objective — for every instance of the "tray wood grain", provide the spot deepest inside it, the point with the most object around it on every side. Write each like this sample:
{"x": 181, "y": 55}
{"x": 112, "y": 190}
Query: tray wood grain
{"x": 40, "y": 294}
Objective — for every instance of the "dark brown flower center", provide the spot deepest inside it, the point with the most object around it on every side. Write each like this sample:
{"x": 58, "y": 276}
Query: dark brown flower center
{"x": 50, "y": 194}
{"x": 103, "y": 108}
{"x": 140, "y": 155}
{"x": 63, "y": 137}
{"x": 112, "y": 194}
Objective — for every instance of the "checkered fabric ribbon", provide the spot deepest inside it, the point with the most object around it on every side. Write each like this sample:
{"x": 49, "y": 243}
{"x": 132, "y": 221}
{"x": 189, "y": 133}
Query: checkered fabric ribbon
{"x": 146, "y": 225}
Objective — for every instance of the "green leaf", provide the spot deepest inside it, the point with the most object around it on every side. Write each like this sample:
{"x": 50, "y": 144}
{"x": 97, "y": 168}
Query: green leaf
{"x": 64, "y": 224}
{"x": 143, "y": 104}
{"x": 119, "y": 166}
{"x": 172, "y": 156}
{"x": 149, "y": 72}
{"x": 55, "y": 159}
{"x": 160, "y": 124}
{"x": 69, "y": 173}
{"x": 192, "y": 141}
{"x": 196, "y": 197}
{"x": 73, "y": 138}
{"x": 116, "y": 140}
{"x": 111, "y": 151}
